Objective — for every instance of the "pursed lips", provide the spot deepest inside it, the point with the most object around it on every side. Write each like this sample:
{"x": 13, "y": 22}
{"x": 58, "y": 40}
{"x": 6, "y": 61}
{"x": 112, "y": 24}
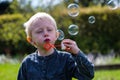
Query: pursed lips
{"x": 47, "y": 40}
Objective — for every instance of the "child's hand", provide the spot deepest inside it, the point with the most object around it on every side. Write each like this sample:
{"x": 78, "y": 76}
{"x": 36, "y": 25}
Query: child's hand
{"x": 70, "y": 46}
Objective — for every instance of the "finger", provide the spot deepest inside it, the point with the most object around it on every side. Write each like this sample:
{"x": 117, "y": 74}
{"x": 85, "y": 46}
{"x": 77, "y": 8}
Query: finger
{"x": 70, "y": 44}
{"x": 68, "y": 41}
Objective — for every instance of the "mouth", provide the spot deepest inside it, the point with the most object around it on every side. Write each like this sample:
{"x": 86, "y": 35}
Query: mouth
{"x": 47, "y": 40}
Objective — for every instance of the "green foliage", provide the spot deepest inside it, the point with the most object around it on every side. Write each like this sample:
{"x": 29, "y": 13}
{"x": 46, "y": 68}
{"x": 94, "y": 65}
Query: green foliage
{"x": 13, "y": 7}
{"x": 101, "y": 36}
{"x": 16, "y": 6}
{"x": 3, "y": 6}
{"x": 12, "y": 33}
{"x": 11, "y": 26}
{"x": 84, "y": 3}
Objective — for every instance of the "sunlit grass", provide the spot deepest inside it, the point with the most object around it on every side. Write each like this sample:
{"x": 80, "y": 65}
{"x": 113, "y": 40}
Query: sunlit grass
{"x": 9, "y": 71}
{"x": 115, "y": 61}
{"x": 107, "y": 75}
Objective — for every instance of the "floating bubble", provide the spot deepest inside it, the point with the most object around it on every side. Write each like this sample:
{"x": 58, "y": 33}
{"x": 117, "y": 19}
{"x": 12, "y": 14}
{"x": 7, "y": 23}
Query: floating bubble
{"x": 91, "y": 19}
{"x": 61, "y": 35}
{"x": 73, "y": 29}
{"x": 73, "y": 10}
{"x": 113, "y": 4}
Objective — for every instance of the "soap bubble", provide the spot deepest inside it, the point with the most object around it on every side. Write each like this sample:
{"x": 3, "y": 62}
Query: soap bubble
{"x": 61, "y": 35}
{"x": 73, "y": 10}
{"x": 91, "y": 19}
{"x": 73, "y": 29}
{"x": 113, "y": 4}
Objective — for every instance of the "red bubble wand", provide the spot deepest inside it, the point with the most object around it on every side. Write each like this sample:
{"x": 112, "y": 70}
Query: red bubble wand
{"x": 47, "y": 46}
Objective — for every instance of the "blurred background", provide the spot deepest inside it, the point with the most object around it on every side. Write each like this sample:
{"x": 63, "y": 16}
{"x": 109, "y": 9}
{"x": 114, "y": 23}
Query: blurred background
{"x": 93, "y": 24}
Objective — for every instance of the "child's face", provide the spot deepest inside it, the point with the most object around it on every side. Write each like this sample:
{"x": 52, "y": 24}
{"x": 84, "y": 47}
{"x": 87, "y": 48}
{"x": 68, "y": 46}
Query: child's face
{"x": 42, "y": 32}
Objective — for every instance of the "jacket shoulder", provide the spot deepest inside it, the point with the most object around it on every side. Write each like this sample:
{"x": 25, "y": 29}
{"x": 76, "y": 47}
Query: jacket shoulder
{"x": 30, "y": 57}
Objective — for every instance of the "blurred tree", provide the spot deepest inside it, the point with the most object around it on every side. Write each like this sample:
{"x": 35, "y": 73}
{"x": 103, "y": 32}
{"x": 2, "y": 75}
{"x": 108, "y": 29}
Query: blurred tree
{"x": 15, "y": 6}
{"x": 3, "y": 6}
{"x": 9, "y": 7}
{"x": 101, "y": 36}
{"x": 26, "y": 6}
{"x": 12, "y": 33}
{"x": 84, "y": 3}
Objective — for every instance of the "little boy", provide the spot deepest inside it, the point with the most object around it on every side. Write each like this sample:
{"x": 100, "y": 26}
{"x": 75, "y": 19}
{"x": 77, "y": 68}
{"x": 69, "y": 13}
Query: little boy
{"x": 48, "y": 63}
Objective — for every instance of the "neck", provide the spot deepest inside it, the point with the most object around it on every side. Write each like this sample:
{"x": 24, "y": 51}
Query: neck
{"x": 45, "y": 52}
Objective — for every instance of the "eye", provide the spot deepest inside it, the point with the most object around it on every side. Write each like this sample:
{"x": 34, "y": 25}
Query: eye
{"x": 49, "y": 29}
{"x": 40, "y": 31}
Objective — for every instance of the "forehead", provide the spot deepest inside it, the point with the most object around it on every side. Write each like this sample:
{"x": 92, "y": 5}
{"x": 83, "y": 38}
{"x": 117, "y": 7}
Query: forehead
{"x": 42, "y": 22}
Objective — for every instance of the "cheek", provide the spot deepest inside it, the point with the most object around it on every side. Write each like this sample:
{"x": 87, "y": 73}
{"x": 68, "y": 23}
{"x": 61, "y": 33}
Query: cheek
{"x": 38, "y": 39}
{"x": 39, "y": 42}
{"x": 54, "y": 37}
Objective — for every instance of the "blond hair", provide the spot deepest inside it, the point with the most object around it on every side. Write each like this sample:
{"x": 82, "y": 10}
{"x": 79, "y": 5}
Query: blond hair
{"x": 40, "y": 16}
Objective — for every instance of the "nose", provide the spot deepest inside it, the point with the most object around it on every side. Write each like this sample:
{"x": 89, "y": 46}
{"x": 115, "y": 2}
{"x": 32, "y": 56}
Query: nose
{"x": 46, "y": 33}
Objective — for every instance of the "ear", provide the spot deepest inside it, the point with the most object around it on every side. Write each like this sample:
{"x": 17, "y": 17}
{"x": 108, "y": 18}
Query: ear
{"x": 31, "y": 42}
{"x": 29, "y": 39}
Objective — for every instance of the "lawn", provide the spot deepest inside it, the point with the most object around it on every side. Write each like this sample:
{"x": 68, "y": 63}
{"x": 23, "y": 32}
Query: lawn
{"x": 107, "y": 75}
{"x": 9, "y": 72}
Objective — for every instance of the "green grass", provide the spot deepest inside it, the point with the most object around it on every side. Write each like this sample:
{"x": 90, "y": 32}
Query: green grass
{"x": 9, "y": 72}
{"x": 115, "y": 61}
{"x": 107, "y": 75}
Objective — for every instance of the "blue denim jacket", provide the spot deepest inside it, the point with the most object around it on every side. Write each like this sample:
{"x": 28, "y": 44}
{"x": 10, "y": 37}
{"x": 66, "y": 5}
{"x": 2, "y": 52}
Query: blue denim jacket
{"x": 57, "y": 66}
